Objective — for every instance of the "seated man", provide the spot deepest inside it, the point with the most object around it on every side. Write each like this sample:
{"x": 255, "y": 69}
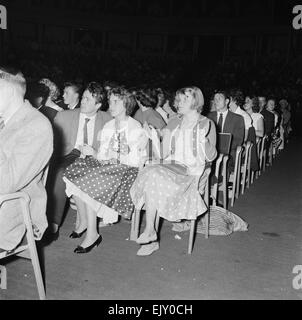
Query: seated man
{"x": 76, "y": 133}
{"x": 228, "y": 122}
{"x": 26, "y": 145}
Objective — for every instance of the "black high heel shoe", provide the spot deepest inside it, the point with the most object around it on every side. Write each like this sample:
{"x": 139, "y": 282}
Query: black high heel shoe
{"x": 80, "y": 249}
{"x": 75, "y": 235}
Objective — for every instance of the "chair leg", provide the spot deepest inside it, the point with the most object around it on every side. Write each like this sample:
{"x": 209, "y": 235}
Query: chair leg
{"x": 207, "y": 218}
{"x": 36, "y": 266}
{"x": 3, "y": 278}
{"x": 157, "y": 218}
{"x": 134, "y": 225}
{"x": 191, "y": 237}
{"x": 253, "y": 176}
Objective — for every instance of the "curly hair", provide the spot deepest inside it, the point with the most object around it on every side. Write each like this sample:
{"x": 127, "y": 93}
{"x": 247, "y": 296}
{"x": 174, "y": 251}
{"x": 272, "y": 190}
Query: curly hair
{"x": 146, "y": 97}
{"x": 97, "y": 91}
{"x": 54, "y": 91}
{"x": 197, "y": 96}
{"x": 126, "y": 96}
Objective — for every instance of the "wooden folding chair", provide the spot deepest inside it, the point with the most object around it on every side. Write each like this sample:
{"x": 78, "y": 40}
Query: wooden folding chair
{"x": 223, "y": 146}
{"x": 263, "y": 153}
{"x": 259, "y": 144}
{"x": 245, "y": 168}
{"x": 234, "y": 176}
{"x": 28, "y": 250}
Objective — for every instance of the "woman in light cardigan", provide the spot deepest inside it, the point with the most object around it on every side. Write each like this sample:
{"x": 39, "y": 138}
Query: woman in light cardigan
{"x": 170, "y": 189}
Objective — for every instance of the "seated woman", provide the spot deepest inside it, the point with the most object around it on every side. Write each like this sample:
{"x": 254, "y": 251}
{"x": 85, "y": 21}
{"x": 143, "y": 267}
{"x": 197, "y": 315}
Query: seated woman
{"x": 251, "y": 106}
{"x": 170, "y": 189}
{"x": 146, "y": 112}
{"x": 50, "y": 109}
{"x": 100, "y": 184}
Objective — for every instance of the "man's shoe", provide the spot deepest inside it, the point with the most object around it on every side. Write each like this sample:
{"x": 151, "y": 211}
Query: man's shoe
{"x": 148, "y": 249}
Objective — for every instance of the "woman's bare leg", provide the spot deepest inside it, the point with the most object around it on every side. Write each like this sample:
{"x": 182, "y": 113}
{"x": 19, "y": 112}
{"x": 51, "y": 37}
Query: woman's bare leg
{"x": 81, "y": 223}
{"x": 149, "y": 234}
{"x": 91, "y": 235}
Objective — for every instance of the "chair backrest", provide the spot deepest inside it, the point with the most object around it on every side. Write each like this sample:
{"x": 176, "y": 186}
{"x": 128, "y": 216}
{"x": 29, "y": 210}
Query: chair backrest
{"x": 224, "y": 143}
{"x": 154, "y": 145}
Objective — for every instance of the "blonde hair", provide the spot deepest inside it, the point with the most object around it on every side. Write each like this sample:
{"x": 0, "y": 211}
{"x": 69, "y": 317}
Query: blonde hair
{"x": 197, "y": 96}
{"x": 54, "y": 91}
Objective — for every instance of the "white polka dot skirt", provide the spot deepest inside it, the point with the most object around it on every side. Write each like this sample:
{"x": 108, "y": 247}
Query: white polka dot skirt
{"x": 174, "y": 195}
{"x": 108, "y": 184}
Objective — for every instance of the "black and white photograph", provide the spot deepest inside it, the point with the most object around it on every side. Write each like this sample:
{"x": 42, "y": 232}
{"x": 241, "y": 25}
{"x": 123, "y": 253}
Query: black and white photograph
{"x": 150, "y": 153}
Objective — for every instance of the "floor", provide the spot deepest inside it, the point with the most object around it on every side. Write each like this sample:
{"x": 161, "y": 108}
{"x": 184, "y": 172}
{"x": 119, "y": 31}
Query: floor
{"x": 257, "y": 264}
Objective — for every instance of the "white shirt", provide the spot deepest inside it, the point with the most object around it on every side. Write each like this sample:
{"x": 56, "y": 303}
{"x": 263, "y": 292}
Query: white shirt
{"x": 224, "y": 114}
{"x": 163, "y": 113}
{"x": 72, "y": 107}
{"x": 247, "y": 118}
{"x": 255, "y": 117}
{"x": 90, "y": 130}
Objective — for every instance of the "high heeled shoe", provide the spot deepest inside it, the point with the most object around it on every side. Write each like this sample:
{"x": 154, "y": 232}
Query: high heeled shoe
{"x": 75, "y": 235}
{"x": 96, "y": 243}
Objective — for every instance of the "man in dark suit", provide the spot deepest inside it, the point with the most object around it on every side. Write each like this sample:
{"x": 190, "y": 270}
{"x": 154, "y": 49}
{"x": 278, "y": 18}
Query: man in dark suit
{"x": 76, "y": 133}
{"x": 72, "y": 95}
{"x": 228, "y": 122}
{"x": 269, "y": 119}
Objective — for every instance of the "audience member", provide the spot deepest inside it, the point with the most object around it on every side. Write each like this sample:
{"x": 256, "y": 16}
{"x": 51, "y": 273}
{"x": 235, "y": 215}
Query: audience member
{"x": 228, "y": 122}
{"x": 146, "y": 112}
{"x": 76, "y": 134}
{"x": 100, "y": 184}
{"x": 50, "y": 108}
{"x": 26, "y": 145}
{"x": 72, "y": 95}
{"x": 170, "y": 189}
{"x": 236, "y": 105}
{"x": 251, "y": 106}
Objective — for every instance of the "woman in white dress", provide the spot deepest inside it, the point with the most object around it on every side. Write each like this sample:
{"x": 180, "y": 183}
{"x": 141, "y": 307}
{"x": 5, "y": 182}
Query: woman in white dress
{"x": 251, "y": 106}
{"x": 100, "y": 184}
{"x": 170, "y": 189}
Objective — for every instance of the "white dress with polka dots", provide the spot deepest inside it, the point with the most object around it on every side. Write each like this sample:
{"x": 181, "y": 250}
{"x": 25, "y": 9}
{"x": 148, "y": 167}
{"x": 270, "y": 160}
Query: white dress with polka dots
{"x": 104, "y": 183}
{"x": 171, "y": 187}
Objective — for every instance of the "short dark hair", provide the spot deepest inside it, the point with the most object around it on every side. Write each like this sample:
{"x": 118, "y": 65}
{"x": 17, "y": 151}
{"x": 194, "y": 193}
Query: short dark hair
{"x": 223, "y": 92}
{"x": 237, "y": 96}
{"x": 146, "y": 97}
{"x": 14, "y": 77}
{"x": 76, "y": 86}
{"x": 126, "y": 96}
{"x": 97, "y": 91}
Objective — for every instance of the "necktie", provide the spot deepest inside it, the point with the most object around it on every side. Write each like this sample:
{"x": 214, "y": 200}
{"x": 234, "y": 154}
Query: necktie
{"x": 85, "y": 140}
{"x": 2, "y": 125}
{"x": 220, "y": 122}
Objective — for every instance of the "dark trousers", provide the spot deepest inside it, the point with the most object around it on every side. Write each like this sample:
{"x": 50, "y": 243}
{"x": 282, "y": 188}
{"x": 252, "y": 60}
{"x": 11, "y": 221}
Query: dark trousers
{"x": 56, "y": 187}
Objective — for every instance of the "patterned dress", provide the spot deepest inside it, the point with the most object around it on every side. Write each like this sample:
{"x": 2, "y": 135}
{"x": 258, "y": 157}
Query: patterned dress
{"x": 104, "y": 183}
{"x": 172, "y": 186}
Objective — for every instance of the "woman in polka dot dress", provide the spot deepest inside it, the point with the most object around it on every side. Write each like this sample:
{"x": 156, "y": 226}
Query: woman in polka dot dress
{"x": 171, "y": 189}
{"x": 101, "y": 185}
